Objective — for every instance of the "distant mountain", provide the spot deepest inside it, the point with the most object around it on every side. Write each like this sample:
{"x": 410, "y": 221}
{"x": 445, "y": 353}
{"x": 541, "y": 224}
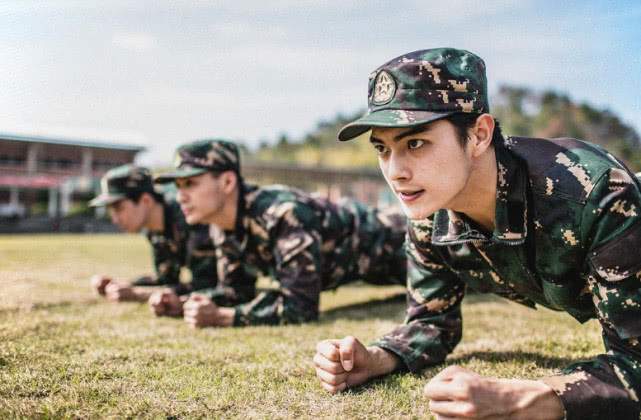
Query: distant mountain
{"x": 521, "y": 112}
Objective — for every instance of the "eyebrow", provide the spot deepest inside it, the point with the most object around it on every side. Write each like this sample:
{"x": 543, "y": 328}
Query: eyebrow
{"x": 411, "y": 131}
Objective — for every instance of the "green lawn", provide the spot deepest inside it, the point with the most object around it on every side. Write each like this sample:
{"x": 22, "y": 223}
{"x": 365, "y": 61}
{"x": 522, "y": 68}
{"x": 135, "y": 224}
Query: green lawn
{"x": 66, "y": 353}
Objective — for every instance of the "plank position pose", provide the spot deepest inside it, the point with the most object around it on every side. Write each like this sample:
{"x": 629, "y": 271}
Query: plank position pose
{"x": 135, "y": 206}
{"x": 550, "y": 222}
{"x": 306, "y": 243}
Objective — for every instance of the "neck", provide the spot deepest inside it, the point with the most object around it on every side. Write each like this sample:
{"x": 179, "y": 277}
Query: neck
{"x": 156, "y": 221}
{"x": 478, "y": 198}
{"x": 226, "y": 219}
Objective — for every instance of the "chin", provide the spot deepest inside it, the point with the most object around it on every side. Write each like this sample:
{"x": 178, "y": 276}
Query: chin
{"x": 192, "y": 219}
{"x": 417, "y": 212}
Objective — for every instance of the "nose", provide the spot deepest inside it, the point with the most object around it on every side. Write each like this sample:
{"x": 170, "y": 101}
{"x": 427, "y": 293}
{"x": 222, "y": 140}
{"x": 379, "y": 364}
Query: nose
{"x": 181, "y": 197}
{"x": 397, "y": 169}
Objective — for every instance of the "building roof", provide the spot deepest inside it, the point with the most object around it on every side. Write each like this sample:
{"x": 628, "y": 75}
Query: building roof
{"x": 72, "y": 142}
{"x": 36, "y": 181}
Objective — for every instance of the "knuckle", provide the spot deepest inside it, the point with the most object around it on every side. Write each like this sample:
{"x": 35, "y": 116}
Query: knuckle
{"x": 452, "y": 369}
{"x": 332, "y": 380}
{"x": 330, "y": 388}
{"x": 427, "y": 389}
{"x": 470, "y": 410}
{"x": 335, "y": 368}
{"x": 318, "y": 359}
{"x": 465, "y": 388}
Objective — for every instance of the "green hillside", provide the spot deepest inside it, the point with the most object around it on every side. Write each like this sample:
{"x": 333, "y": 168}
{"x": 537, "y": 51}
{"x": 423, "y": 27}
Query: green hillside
{"x": 521, "y": 111}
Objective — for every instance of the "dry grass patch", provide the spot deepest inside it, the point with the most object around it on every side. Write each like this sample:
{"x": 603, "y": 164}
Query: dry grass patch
{"x": 66, "y": 353}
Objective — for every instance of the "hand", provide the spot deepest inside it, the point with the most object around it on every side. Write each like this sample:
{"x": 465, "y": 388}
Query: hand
{"x": 458, "y": 393}
{"x": 99, "y": 282}
{"x": 117, "y": 292}
{"x": 166, "y": 302}
{"x": 344, "y": 363}
{"x": 200, "y": 311}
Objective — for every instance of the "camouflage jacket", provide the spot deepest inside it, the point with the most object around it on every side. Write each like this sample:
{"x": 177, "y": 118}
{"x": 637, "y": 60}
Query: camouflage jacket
{"x": 307, "y": 244}
{"x": 567, "y": 235}
{"x": 180, "y": 245}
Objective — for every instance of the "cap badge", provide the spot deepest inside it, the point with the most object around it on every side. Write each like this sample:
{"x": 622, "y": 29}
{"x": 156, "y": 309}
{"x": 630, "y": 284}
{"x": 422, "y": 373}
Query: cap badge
{"x": 384, "y": 88}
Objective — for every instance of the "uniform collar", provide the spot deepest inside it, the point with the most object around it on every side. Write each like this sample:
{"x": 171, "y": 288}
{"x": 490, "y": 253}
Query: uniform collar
{"x": 167, "y": 217}
{"x": 510, "y": 220}
{"x": 166, "y": 221}
{"x": 242, "y": 219}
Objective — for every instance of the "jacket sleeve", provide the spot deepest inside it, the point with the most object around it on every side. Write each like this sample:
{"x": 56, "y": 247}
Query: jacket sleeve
{"x": 236, "y": 284}
{"x": 167, "y": 262}
{"x": 296, "y": 253}
{"x": 433, "y": 325}
{"x": 200, "y": 260}
{"x": 609, "y": 385}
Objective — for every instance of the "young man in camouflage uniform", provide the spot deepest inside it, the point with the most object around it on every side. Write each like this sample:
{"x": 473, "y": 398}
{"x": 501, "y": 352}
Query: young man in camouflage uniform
{"x": 549, "y": 222}
{"x": 135, "y": 206}
{"x": 306, "y": 243}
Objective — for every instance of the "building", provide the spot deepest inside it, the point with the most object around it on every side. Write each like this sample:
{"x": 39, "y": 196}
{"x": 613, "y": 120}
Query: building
{"x": 362, "y": 184}
{"x": 38, "y": 170}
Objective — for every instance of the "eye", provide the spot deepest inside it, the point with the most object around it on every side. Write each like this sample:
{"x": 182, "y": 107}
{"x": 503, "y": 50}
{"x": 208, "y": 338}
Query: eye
{"x": 380, "y": 149}
{"x": 415, "y": 143}
{"x": 185, "y": 183}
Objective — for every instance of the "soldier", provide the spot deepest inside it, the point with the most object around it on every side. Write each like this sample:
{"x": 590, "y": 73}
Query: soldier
{"x": 134, "y": 205}
{"x": 549, "y": 222}
{"x": 306, "y": 243}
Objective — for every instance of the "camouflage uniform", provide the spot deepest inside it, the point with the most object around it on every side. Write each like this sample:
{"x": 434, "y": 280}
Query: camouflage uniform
{"x": 306, "y": 243}
{"x": 567, "y": 231}
{"x": 177, "y": 245}
{"x": 180, "y": 245}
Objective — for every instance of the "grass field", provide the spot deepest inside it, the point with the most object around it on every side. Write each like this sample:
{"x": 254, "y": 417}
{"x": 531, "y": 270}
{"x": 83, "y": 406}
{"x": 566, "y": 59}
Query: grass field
{"x": 66, "y": 353}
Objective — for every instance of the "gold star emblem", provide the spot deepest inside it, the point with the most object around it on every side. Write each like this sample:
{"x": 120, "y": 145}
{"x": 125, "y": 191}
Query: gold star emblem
{"x": 384, "y": 88}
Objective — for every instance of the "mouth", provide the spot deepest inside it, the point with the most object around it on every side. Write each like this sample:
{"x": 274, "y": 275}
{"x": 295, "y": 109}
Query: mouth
{"x": 186, "y": 210}
{"x": 408, "y": 196}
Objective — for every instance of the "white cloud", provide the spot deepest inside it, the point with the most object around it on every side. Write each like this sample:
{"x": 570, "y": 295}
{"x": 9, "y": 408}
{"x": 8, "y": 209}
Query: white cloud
{"x": 457, "y": 11}
{"x": 175, "y": 71}
{"x": 134, "y": 41}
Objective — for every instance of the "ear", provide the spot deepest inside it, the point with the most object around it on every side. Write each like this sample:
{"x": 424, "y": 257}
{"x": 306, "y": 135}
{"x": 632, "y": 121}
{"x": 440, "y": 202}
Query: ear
{"x": 146, "y": 199}
{"x": 229, "y": 181}
{"x": 481, "y": 134}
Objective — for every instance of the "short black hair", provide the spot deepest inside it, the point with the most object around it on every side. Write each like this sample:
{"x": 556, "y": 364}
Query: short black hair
{"x": 135, "y": 196}
{"x": 464, "y": 121}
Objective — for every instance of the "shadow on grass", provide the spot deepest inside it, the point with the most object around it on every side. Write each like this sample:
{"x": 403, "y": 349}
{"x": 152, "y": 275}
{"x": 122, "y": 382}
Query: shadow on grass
{"x": 386, "y": 308}
{"x": 541, "y": 360}
{"x": 473, "y": 298}
{"x": 29, "y": 307}
{"x": 46, "y": 306}
{"x": 389, "y": 307}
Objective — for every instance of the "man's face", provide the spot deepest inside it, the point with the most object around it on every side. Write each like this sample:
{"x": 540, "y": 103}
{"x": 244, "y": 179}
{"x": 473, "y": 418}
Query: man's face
{"x": 427, "y": 170}
{"x": 129, "y": 216}
{"x": 201, "y": 198}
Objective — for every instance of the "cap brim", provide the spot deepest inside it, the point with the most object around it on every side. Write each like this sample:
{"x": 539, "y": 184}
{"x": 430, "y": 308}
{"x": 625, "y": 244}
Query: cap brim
{"x": 179, "y": 173}
{"x": 390, "y": 118}
{"x": 106, "y": 199}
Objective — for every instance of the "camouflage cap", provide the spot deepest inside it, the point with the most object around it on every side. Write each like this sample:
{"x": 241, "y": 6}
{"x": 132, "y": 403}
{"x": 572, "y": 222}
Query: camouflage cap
{"x": 202, "y": 156}
{"x": 420, "y": 87}
{"x": 122, "y": 181}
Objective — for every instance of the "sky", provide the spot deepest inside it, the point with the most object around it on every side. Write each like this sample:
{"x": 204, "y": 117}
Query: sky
{"x": 162, "y": 73}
